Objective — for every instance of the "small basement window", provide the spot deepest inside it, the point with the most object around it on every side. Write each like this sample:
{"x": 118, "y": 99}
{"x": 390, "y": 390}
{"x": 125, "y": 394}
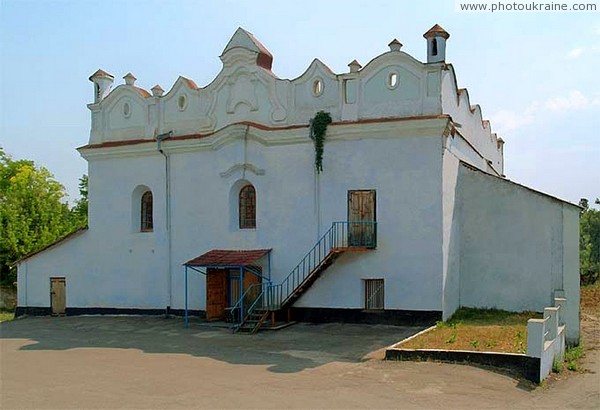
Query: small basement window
{"x": 374, "y": 294}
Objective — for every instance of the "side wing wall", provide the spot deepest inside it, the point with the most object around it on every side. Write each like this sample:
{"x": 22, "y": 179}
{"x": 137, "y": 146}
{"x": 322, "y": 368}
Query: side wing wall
{"x": 517, "y": 248}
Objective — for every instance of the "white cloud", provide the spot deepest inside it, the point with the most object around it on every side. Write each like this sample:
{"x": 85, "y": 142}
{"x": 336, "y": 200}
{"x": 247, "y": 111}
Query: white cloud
{"x": 576, "y": 52}
{"x": 574, "y": 101}
{"x": 579, "y": 51}
{"x": 506, "y": 120}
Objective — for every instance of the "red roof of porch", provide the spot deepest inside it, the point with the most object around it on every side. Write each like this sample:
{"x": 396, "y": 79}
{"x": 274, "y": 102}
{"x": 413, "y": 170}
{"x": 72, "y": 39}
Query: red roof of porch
{"x": 220, "y": 257}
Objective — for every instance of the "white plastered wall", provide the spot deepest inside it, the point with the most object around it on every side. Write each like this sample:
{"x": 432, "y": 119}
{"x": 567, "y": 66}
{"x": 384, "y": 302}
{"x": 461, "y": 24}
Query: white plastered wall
{"x": 451, "y": 207}
{"x": 518, "y": 248}
{"x": 118, "y": 266}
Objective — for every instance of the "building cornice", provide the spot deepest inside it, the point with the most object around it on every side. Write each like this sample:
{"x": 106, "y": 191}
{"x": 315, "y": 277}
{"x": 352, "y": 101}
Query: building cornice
{"x": 383, "y": 128}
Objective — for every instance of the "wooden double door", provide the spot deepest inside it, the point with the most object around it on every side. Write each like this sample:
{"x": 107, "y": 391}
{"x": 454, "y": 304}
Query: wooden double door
{"x": 223, "y": 289}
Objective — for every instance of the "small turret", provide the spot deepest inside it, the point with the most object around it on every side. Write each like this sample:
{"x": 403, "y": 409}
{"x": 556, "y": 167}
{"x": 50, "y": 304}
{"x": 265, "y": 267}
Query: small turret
{"x": 395, "y": 45}
{"x": 354, "y": 66}
{"x": 436, "y": 38}
{"x": 129, "y": 79}
{"x": 157, "y": 91}
{"x": 244, "y": 43}
{"x": 102, "y": 84}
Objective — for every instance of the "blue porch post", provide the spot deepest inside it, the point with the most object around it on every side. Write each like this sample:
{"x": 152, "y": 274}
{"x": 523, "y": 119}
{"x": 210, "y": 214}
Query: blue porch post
{"x": 186, "y": 297}
{"x": 241, "y": 294}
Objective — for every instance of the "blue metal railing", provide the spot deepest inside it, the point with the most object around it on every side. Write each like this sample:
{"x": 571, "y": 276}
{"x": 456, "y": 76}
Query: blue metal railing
{"x": 341, "y": 236}
{"x": 249, "y": 301}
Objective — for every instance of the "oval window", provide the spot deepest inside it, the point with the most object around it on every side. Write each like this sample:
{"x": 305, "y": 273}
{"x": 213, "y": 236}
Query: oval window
{"x": 318, "y": 87}
{"x": 126, "y": 110}
{"x": 392, "y": 80}
{"x": 181, "y": 102}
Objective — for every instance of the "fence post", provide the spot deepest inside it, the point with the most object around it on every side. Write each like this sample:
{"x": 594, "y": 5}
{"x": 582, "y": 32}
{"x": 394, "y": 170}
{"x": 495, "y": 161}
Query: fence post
{"x": 535, "y": 337}
{"x": 552, "y": 314}
{"x": 562, "y": 304}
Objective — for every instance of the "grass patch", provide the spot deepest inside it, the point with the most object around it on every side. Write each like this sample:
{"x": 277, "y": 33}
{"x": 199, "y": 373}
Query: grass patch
{"x": 573, "y": 356}
{"x": 6, "y": 315}
{"x": 490, "y": 330}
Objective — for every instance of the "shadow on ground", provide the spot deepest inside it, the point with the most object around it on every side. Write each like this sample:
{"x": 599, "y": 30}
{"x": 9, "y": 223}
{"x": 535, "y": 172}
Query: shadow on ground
{"x": 289, "y": 350}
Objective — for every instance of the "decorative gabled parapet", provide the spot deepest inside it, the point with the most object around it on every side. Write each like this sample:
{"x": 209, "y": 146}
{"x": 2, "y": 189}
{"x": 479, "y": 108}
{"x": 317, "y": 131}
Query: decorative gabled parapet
{"x": 391, "y": 85}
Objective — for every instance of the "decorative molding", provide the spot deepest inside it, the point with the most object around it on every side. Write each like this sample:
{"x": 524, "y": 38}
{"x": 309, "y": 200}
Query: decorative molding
{"x": 242, "y": 167}
{"x": 345, "y": 131}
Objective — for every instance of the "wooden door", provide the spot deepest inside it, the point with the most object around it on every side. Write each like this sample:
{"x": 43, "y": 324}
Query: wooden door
{"x": 234, "y": 284}
{"x": 58, "y": 296}
{"x": 216, "y": 294}
{"x": 361, "y": 211}
{"x": 250, "y": 278}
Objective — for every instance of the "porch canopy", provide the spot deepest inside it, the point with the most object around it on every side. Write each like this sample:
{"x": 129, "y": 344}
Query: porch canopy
{"x": 218, "y": 258}
{"x": 243, "y": 260}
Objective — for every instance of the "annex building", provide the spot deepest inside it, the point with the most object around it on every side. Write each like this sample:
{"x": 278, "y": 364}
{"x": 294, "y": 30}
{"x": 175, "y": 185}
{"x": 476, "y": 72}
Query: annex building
{"x": 208, "y": 200}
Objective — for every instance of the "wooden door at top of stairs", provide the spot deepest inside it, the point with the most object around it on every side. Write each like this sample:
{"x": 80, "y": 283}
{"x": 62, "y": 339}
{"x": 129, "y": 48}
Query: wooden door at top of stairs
{"x": 361, "y": 210}
{"x": 58, "y": 296}
{"x": 216, "y": 293}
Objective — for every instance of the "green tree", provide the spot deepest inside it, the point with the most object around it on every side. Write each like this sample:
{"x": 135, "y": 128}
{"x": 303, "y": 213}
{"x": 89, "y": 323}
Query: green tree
{"x": 589, "y": 243}
{"x": 32, "y": 214}
{"x": 79, "y": 213}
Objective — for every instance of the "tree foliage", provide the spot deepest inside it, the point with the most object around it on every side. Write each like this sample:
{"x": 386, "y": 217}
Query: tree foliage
{"x": 32, "y": 211}
{"x": 79, "y": 213}
{"x": 589, "y": 243}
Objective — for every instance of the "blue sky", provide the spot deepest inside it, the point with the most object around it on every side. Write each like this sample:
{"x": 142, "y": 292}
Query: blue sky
{"x": 534, "y": 74}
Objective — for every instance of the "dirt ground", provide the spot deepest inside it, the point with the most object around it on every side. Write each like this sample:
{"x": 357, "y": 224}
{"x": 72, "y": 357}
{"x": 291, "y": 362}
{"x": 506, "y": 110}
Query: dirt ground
{"x": 590, "y": 317}
{"x": 152, "y": 362}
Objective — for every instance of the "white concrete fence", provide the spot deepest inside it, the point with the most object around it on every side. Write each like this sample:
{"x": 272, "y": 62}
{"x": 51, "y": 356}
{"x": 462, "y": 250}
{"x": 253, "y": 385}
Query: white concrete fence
{"x": 546, "y": 337}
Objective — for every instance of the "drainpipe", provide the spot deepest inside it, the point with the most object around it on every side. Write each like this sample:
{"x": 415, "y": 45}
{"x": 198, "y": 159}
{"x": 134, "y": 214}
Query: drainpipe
{"x": 159, "y": 139}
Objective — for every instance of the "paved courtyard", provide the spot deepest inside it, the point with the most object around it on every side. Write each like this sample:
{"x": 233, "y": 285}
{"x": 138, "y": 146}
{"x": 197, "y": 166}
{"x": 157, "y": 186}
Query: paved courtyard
{"x": 153, "y": 362}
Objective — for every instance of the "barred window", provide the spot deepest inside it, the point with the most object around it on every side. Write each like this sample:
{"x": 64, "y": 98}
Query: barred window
{"x": 247, "y": 207}
{"x": 374, "y": 294}
{"x": 146, "y": 224}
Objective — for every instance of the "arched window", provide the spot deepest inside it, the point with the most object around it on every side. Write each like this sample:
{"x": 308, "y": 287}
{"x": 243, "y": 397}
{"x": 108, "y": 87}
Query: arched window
{"x": 434, "y": 47}
{"x": 146, "y": 223}
{"x": 247, "y": 207}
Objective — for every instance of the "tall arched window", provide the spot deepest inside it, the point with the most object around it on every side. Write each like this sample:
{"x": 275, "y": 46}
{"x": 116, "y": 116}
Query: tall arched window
{"x": 247, "y": 207}
{"x": 146, "y": 223}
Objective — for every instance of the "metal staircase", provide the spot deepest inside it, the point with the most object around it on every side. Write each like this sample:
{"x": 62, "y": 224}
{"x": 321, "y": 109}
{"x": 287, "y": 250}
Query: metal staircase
{"x": 255, "y": 304}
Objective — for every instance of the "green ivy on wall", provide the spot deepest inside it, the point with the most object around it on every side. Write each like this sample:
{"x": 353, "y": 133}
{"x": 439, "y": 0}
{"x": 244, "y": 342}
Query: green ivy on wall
{"x": 318, "y": 128}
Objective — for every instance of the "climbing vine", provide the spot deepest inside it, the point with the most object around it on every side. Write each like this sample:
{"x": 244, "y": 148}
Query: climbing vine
{"x": 318, "y": 128}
